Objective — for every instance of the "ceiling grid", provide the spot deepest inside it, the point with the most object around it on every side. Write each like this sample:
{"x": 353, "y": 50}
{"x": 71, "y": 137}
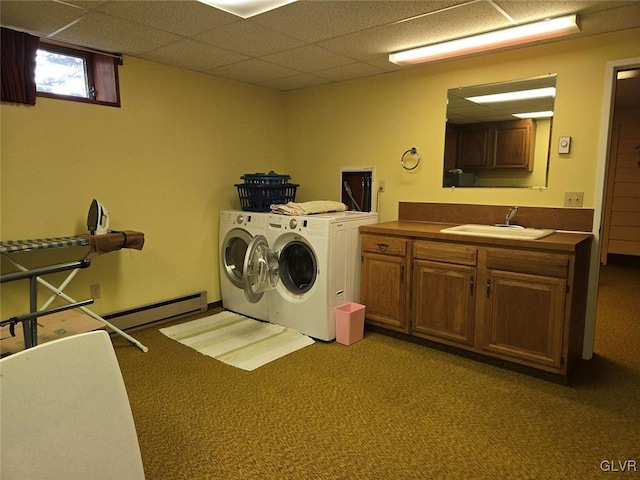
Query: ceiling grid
{"x": 305, "y": 43}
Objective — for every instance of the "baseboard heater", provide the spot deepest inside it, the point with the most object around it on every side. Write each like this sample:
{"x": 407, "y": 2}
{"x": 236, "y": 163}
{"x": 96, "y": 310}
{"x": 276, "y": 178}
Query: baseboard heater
{"x": 153, "y": 312}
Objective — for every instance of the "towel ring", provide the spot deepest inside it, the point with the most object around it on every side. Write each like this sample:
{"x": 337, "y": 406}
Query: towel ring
{"x": 412, "y": 151}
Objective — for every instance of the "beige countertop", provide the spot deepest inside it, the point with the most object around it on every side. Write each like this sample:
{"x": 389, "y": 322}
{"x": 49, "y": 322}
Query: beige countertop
{"x": 558, "y": 241}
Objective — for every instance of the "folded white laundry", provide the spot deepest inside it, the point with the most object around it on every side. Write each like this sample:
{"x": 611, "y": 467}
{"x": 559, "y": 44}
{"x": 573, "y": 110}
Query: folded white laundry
{"x": 308, "y": 208}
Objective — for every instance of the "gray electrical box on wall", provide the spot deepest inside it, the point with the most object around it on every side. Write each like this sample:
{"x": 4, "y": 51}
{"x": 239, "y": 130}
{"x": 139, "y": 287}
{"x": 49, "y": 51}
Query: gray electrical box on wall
{"x": 356, "y": 188}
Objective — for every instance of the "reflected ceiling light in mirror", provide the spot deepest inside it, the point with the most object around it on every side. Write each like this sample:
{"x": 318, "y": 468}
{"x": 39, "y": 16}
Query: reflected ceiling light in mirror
{"x": 534, "y": 115}
{"x": 514, "y": 96}
{"x": 246, "y": 8}
{"x": 485, "y": 42}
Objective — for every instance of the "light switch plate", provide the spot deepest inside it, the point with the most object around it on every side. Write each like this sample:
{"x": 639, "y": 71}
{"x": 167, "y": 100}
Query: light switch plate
{"x": 564, "y": 144}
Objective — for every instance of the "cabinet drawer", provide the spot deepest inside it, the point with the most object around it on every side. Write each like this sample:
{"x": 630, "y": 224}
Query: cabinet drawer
{"x": 445, "y": 252}
{"x": 382, "y": 244}
{"x": 535, "y": 263}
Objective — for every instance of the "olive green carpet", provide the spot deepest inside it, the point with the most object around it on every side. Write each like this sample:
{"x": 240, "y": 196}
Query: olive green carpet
{"x": 384, "y": 408}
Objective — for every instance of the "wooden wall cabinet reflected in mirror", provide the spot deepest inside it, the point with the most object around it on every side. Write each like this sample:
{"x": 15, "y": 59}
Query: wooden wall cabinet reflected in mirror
{"x": 492, "y": 140}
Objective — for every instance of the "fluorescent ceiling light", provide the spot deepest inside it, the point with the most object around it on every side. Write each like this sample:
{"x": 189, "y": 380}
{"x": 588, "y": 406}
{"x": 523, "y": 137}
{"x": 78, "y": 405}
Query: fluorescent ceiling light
{"x": 246, "y": 8}
{"x": 534, "y": 115}
{"x": 626, "y": 74}
{"x": 507, "y": 37}
{"x": 513, "y": 96}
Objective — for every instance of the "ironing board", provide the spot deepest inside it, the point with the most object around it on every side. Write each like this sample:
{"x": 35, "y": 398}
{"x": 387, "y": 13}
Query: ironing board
{"x": 35, "y": 275}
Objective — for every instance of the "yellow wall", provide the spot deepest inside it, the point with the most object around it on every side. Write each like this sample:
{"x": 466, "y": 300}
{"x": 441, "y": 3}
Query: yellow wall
{"x": 371, "y": 122}
{"x": 165, "y": 163}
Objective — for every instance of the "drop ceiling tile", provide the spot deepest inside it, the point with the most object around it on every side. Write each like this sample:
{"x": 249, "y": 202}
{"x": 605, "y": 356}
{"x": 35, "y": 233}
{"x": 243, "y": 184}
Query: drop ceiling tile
{"x": 252, "y": 71}
{"x": 523, "y": 12}
{"x": 248, "y": 38}
{"x": 348, "y": 72}
{"x": 314, "y": 20}
{"x": 192, "y": 55}
{"x": 108, "y": 33}
{"x": 294, "y": 82}
{"x": 622, "y": 18}
{"x": 444, "y": 25}
{"x": 338, "y": 39}
{"x": 186, "y": 18}
{"x": 308, "y": 58}
{"x": 38, "y": 17}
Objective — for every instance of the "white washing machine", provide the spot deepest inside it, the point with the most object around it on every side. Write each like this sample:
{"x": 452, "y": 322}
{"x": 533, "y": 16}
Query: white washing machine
{"x": 236, "y": 232}
{"x": 313, "y": 265}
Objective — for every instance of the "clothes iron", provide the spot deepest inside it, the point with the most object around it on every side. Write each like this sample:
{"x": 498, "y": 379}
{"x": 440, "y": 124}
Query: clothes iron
{"x": 97, "y": 219}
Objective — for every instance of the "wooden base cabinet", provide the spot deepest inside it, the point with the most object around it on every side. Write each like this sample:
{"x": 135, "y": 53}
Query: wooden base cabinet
{"x": 524, "y": 317}
{"x": 443, "y": 292}
{"x": 515, "y": 304}
{"x": 384, "y": 285}
{"x": 526, "y": 295}
{"x": 443, "y": 303}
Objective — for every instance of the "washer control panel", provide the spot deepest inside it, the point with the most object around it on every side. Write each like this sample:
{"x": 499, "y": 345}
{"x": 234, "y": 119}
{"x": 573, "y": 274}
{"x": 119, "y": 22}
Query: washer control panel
{"x": 311, "y": 227}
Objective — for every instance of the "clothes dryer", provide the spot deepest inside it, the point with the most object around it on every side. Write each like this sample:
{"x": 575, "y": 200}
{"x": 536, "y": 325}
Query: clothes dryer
{"x": 236, "y": 232}
{"x": 314, "y": 266}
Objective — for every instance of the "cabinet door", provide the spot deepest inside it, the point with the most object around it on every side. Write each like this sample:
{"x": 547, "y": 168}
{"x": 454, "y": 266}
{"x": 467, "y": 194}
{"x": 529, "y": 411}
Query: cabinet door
{"x": 384, "y": 289}
{"x": 524, "y": 317}
{"x": 513, "y": 146}
{"x": 475, "y": 148}
{"x": 443, "y": 301}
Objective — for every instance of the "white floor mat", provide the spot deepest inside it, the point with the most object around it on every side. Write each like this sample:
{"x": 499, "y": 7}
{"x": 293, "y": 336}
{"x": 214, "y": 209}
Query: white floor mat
{"x": 238, "y": 340}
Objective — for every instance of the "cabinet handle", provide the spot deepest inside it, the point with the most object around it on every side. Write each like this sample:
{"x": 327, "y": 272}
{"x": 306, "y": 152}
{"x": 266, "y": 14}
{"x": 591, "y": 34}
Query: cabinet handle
{"x": 383, "y": 247}
{"x": 489, "y": 288}
{"x": 402, "y": 274}
{"x": 472, "y": 285}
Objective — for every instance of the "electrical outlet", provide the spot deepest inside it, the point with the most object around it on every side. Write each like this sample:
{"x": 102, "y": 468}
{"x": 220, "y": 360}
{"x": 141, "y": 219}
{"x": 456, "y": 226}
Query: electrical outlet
{"x": 381, "y": 185}
{"x": 573, "y": 199}
{"x": 95, "y": 291}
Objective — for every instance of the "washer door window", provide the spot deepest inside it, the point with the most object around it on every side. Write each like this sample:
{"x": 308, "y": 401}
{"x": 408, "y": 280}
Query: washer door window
{"x": 298, "y": 267}
{"x": 260, "y": 269}
{"x": 236, "y": 244}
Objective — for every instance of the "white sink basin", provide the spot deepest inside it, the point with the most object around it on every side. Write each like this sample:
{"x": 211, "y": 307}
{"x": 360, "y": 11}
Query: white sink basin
{"x": 510, "y": 231}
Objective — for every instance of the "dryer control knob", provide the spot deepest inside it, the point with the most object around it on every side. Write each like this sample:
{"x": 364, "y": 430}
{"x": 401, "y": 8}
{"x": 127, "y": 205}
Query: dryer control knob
{"x": 239, "y": 219}
{"x": 293, "y": 223}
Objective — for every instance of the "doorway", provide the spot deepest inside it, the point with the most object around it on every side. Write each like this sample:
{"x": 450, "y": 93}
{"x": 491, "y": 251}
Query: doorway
{"x": 612, "y": 69}
{"x": 621, "y": 215}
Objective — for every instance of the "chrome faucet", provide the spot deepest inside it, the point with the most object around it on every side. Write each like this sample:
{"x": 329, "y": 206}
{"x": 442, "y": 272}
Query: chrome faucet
{"x": 510, "y": 215}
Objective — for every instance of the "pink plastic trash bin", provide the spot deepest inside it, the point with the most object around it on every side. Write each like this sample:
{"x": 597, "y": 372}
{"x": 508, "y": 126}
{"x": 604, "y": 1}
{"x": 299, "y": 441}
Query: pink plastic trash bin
{"x": 349, "y": 323}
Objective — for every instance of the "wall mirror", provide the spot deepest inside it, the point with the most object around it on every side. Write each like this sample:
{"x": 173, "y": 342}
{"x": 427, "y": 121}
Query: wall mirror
{"x": 498, "y": 135}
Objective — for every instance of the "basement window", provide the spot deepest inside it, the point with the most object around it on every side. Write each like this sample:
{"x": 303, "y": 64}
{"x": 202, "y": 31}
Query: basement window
{"x": 77, "y": 75}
